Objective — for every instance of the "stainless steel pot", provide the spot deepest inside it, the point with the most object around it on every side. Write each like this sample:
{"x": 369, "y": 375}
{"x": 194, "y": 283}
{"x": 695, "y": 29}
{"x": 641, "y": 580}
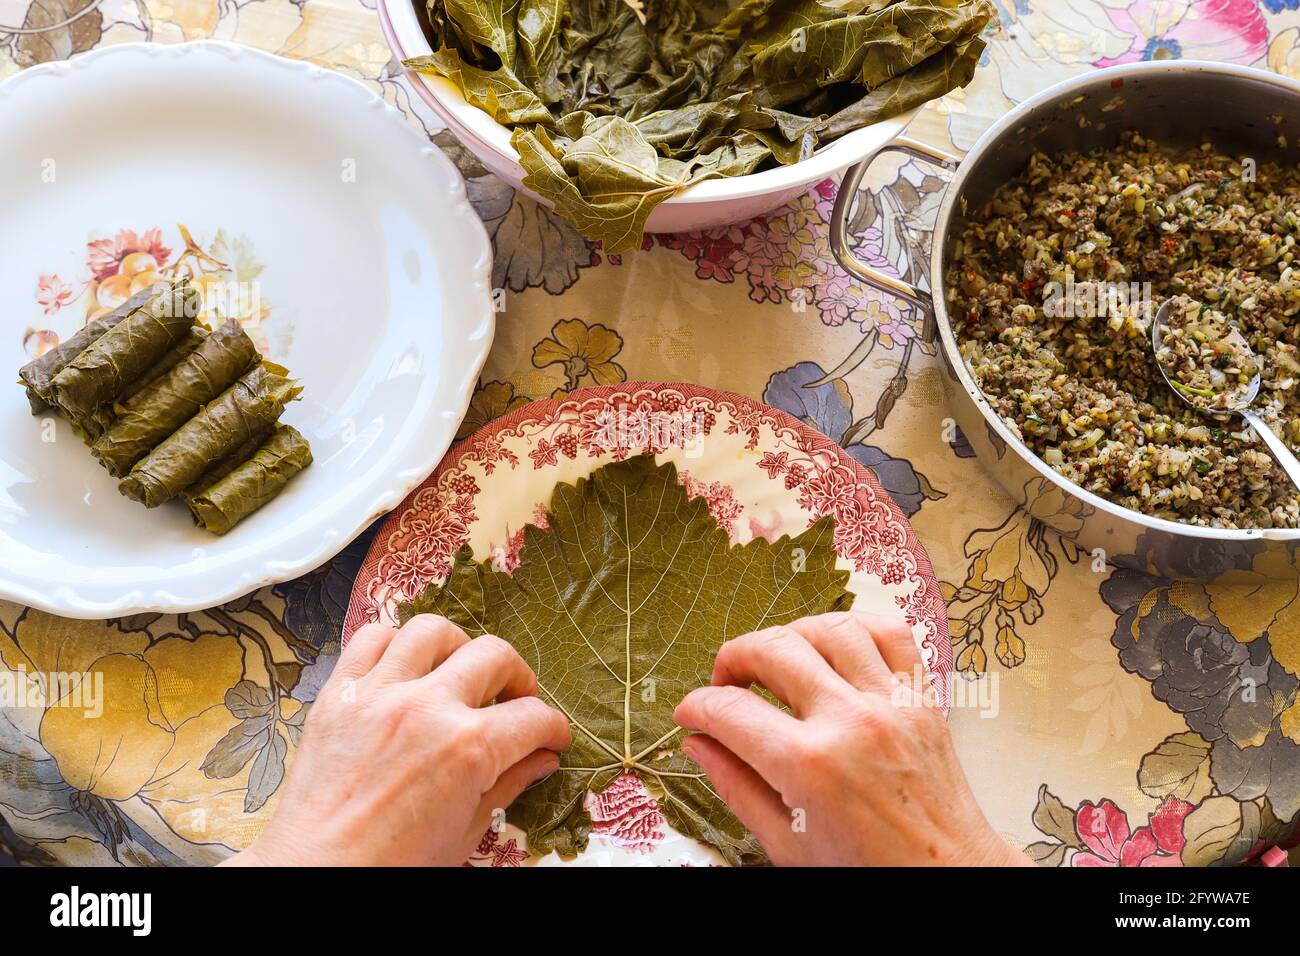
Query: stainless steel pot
{"x": 1177, "y": 103}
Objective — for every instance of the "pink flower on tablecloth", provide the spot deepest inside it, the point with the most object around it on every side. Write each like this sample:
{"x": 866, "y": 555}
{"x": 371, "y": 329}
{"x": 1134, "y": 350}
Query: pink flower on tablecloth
{"x": 888, "y": 320}
{"x": 717, "y": 256}
{"x": 1104, "y": 829}
{"x": 762, "y": 250}
{"x": 1231, "y": 31}
{"x": 785, "y": 258}
{"x": 52, "y": 293}
{"x": 823, "y": 197}
{"x": 837, "y": 303}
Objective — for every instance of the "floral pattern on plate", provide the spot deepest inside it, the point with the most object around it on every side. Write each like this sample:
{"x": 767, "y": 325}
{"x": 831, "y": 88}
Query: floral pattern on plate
{"x": 223, "y": 269}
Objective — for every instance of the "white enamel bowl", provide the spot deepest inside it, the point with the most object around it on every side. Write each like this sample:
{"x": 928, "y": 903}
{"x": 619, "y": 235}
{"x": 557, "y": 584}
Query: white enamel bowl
{"x": 713, "y": 203}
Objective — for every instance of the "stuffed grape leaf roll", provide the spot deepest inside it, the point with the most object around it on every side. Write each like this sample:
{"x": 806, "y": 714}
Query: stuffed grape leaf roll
{"x": 106, "y": 369}
{"x": 155, "y": 411}
{"x": 38, "y": 374}
{"x": 226, "y": 465}
{"x": 252, "y": 404}
{"x": 223, "y": 503}
{"x": 88, "y": 430}
{"x": 193, "y": 339}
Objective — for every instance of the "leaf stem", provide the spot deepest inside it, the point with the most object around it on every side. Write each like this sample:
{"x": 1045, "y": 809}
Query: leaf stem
{"x": 627, "y": 639}
{"x": 671, "y": 733}
{"x": 591, "y": 770}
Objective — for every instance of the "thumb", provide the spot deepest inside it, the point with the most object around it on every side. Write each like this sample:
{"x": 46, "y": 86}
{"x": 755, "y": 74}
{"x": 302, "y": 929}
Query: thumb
{"x": 536, "y": 766}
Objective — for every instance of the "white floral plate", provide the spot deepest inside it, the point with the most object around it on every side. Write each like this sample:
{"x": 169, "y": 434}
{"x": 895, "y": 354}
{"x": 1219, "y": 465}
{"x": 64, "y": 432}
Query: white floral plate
{"x": 309, "y": 209}
{"x": 762, "y": 473}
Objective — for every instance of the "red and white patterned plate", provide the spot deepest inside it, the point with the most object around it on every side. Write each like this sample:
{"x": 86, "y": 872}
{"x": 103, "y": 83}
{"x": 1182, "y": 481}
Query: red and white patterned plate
{"x": 763, "y": 473}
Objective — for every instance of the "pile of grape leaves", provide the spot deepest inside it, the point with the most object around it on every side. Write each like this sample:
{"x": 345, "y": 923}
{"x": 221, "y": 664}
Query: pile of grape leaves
{"x": 615, "y": 106}
{"x": 620, "y": 606}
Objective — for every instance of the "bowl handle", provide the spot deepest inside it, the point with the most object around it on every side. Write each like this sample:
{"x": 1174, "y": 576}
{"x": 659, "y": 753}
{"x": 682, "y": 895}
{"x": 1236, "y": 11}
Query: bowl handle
{"x": 844, "y": 201}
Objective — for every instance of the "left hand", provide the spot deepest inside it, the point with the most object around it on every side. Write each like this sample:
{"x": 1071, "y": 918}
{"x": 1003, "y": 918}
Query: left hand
{"x": 402, "y": 762}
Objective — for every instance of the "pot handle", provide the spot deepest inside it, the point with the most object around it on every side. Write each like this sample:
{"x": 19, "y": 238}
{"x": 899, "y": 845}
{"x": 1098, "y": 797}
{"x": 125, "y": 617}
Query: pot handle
{"x": 844, "y": 201}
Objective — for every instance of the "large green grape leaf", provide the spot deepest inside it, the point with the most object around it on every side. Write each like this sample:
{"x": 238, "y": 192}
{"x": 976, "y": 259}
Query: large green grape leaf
{"x": 620, "y": 606}
{"x": 615, "y": 106}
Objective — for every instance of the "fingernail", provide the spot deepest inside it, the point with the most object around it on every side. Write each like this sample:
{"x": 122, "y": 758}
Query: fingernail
{"x": 688, "y": 745}
{"x": 548, "y": 768}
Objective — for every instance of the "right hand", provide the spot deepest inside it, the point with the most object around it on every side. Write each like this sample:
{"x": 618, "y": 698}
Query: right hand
{"x": 849, "y": 777}
{"x": 401, "y": 763}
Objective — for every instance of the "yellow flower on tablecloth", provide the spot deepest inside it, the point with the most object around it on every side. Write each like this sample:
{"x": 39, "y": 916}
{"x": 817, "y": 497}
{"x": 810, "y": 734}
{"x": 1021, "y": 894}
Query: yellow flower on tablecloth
{"x": 585, "y": 351}
{"x": 197, "y": 805}
{"x": 1011, "y": 569}
{"x": 1262, "y": 600}
{"x": 1011, "y": 558}
{"x": 1289, "y": 723}
{"x": 972, "y": 659}
{"x": 1284, "y": 53}
{"x": 1006, "y": 560}
{"x": 114, "y": 754}
{"x": 341, "y": 35}
{"x": 150, "y": 721}
{"x": 1055, "y": 508}
{"x": 146, "y": 698}
{"x": 195, "y": 19}
{"x": 1010, "y": 647}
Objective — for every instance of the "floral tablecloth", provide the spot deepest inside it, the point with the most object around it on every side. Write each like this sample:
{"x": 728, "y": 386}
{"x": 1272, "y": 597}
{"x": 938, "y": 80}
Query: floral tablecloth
{"x": 1104, "y": 716}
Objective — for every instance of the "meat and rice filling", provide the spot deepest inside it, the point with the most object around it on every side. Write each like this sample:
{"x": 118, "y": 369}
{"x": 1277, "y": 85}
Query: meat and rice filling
{"x": 1052, "y": 292}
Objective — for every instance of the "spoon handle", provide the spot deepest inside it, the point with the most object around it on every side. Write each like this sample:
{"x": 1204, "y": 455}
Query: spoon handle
{"x": 1290, "y": 464}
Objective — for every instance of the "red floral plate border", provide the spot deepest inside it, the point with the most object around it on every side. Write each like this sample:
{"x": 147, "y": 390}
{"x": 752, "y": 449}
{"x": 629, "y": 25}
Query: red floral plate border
{"x": 762, "y": 471}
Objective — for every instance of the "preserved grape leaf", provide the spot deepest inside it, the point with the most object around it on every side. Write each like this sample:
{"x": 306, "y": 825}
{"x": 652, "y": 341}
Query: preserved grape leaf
{"x": 619, "y": 606}
{"x": 615, "y": 107}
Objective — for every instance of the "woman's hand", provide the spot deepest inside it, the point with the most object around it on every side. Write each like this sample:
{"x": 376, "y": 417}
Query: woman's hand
{"x": 852, "y": 776}
{"x": 401, "y": 763}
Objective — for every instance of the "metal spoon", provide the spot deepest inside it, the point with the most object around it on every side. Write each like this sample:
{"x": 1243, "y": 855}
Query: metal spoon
{"x": 1281, "y": 453}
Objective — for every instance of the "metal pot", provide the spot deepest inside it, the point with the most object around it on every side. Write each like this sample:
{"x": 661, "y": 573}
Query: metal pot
{"x": 1177, "y": 103}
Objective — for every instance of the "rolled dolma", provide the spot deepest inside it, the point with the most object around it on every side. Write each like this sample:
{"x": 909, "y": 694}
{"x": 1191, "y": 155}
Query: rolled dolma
{"x": 101, "y": 419}
{"x": 106, "y": 369}
{"x": 220, "y": 505}
{"x": 38, "y": 374}
{"x": 179, "y": 353}
{"x": 225, "y": 466}
{"x": 247, "y": 407}
{"x": 158, "y": 409}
